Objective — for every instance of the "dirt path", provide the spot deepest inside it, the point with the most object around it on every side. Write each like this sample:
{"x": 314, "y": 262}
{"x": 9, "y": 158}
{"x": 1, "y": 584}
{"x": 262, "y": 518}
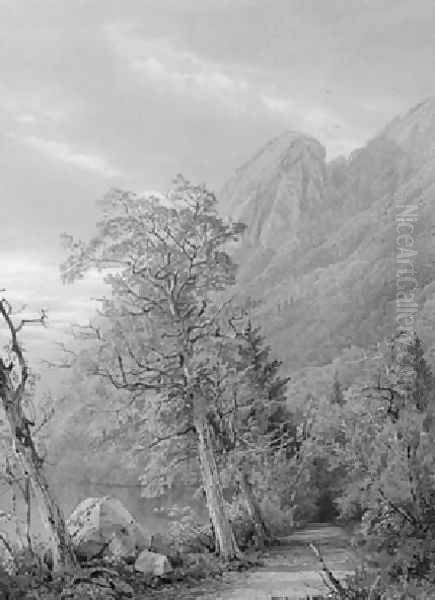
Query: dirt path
{"x": 290, "y": 570}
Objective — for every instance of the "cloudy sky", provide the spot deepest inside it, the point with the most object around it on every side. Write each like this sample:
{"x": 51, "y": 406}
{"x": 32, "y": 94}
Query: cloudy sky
{"x": 97, "y": 93}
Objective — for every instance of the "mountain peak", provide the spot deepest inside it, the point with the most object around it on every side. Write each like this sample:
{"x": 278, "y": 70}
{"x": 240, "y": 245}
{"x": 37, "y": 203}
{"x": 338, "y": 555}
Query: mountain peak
{"x": 289, "y": 142}
{"x": 320, "y": 249}
{"x": 414, "y": 131}
{"x": 277, "y": 189}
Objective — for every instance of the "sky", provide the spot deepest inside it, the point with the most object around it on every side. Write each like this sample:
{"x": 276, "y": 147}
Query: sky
{"x": 97, "y": 94}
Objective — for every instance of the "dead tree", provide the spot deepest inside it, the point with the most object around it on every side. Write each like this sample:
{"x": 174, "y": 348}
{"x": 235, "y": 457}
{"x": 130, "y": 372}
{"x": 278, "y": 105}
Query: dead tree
{"x": 14, "y": 374}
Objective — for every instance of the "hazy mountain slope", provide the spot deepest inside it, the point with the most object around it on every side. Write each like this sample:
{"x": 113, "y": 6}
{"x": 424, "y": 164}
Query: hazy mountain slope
{"x": 320, "y": 248}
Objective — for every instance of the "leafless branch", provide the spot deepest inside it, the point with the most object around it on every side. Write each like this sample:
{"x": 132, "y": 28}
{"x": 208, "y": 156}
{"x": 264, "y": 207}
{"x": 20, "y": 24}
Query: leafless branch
{"x": 171, "y": 436}
{"x": 6, "y": 313}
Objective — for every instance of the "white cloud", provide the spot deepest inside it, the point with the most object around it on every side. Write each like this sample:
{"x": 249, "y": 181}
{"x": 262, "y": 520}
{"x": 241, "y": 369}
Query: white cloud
{"x": 26, "y": 119}
{"x": 65, "y": 153}
{"x": 32, "y": 106}
{"x": 317, "y": 117}
{"x": 282, "y": 106}
{"x": 182, "y": 72}
{"x": 318, "y": 121}
{"x": 189, "y": 81}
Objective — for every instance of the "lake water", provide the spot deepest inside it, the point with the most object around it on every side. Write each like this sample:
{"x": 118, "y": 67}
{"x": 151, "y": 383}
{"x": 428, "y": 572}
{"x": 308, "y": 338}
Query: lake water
{"x": 150, "y": 513}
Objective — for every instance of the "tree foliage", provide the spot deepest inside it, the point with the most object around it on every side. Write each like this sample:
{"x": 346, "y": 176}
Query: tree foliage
{"x": 380, "y": 448}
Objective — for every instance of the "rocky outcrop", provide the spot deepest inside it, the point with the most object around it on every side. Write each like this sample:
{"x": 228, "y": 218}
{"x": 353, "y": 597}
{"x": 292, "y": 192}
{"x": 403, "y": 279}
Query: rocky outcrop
{"x": 103, "y": 527}
{"x": 275, "y": 193}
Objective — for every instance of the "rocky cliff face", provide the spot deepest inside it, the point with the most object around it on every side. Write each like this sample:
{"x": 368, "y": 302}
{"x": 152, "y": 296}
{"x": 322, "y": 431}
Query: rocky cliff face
{"x": 321, "y": 245}
{"x": 277, "y": 191}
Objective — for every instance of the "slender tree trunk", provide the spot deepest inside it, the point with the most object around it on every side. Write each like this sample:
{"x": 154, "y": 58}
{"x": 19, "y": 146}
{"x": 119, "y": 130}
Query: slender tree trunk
{"x": 18, "y": 536}
{"x": 63, "y": 553}
{"x": 252, "y": 507}
{"x": 292, "y": 509}
{"x": 226, "y": 545}
{"x": 14, "y": 483}
{"x": 28, "y": 496}
{"x": 53, "y": 519}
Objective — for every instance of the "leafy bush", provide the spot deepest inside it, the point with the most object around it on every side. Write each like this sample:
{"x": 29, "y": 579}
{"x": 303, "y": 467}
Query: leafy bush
{"x": 279, "y": 520}
{"x": 186, "y": 532}
{"x": 376, "y": 448}
{"x": 391, "y": 479}
{"x": 33, "y": 579}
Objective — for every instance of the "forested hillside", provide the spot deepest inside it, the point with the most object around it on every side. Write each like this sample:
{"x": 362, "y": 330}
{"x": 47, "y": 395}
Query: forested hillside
{"x": 320, "y": 245}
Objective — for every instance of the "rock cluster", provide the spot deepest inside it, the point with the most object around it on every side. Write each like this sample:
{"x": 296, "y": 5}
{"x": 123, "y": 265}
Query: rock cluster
{"x": 102, "y": 528}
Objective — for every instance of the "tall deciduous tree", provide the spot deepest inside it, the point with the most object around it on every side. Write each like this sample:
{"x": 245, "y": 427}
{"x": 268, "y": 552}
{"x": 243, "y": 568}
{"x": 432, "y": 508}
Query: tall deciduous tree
{"x": 167, "y": 265}
{"x": 14, "y": 374}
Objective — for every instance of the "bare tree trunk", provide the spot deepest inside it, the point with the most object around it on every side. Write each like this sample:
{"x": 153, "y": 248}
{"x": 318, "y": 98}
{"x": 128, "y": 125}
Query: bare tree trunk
{"x": 63, "y": 553}
{"x": 28, "y": 500}
{"x": 53, "y": 519}
{"x": 252, "y": 507}
{"x": 292, "y": 509}
{"x": 11, "y": 395}
{"x": 13, "y": 484}
{"x": 226, "y": 545}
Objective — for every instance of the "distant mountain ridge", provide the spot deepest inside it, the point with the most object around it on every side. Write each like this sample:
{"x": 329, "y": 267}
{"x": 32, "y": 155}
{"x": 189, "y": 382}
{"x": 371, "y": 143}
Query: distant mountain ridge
{"x": 320, "y": 247}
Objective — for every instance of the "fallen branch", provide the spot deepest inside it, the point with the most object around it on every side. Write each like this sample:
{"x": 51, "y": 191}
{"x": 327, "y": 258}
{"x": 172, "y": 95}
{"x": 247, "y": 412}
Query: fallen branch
{"x": 334, "y": 583}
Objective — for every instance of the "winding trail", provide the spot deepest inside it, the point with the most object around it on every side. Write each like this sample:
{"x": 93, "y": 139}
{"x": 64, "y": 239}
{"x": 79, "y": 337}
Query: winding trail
{"x": 290, "y": 570}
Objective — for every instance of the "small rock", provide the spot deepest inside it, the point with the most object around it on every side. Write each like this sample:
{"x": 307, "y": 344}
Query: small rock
{"x": 152, "y": 564}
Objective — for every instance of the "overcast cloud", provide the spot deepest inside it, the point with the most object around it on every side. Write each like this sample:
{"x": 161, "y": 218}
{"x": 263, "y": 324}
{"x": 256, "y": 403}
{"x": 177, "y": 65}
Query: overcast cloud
{"x": 99, "y": 93}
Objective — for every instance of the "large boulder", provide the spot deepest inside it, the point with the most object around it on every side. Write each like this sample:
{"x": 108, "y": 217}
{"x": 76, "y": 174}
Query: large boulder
{"x": 103, "y": 527}
{"x": 152, "y": 564}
